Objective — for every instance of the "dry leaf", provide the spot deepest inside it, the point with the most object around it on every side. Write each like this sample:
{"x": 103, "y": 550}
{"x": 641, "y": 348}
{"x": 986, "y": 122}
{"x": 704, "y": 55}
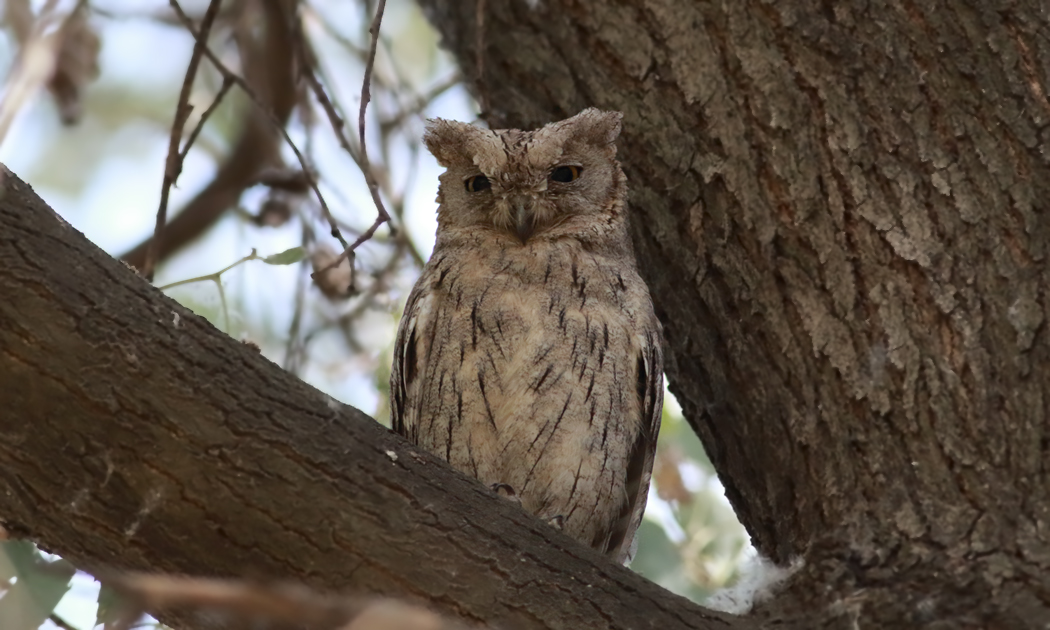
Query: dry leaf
{"x": 58, "y": 50}
{"x": 334, "y": 283}
{"x": 76, "y": 66}
{"x": 668, "y": 477}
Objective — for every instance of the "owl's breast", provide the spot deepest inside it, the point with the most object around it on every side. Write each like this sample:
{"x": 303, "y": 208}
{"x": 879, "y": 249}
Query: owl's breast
{"x": 535, "y": 350}
{"x": 530, "y": 373}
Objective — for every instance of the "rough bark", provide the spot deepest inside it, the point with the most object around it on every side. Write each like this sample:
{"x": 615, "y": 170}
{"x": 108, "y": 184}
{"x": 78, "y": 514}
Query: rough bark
{"x": 135, "y": 435}
{"x": 842, "y": 211}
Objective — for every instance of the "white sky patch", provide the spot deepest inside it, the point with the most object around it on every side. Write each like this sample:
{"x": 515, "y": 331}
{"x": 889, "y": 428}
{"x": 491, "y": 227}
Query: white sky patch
{"x": 694, "y": 478}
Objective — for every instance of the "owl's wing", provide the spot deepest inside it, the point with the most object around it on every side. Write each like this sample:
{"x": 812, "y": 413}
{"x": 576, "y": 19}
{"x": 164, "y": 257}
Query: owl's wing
{"x": 650, "y": 393}
{"x": 409, "y": 354}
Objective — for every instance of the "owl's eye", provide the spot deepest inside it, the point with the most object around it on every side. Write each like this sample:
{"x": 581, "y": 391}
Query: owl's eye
{"x": 565, "y": 174}
{"x": 477, "y": 183}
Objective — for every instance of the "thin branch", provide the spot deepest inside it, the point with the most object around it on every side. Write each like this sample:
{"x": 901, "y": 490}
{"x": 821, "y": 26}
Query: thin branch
{"x": 380, "y": 280}
{"x": 422, "y": 101}
{"x": 305, "y": 56}
{"x": 268, "y": 61}
{"x": 366, "y": 96}
{"x": 173, "y": 165}
{"x": 241, "y": 83}
{"x": 293, "y": 357}
{"x": 40, "y": 40}
{"x": 373, "y": 184}
{"x": 398, "y": 205}
{"x": 226, "y": 85}
{"x": 336, "y": 117}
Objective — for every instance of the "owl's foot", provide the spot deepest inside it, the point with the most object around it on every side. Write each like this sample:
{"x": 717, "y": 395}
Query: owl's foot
{"x": 557, "y": 521}
{"x": 506, "y": 492}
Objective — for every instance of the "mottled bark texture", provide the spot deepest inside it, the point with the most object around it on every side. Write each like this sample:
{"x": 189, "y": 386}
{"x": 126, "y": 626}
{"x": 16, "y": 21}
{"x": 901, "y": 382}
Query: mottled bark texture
{"x": 135, "y": 435}
{"x": 842, "y": 211}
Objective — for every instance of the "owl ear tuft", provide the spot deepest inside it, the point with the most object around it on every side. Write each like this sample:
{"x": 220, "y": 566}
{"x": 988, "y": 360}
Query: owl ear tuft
{"x": 595, "y": 126}
{"x": 456, "y": 143}
{"x": 447, "y": 141}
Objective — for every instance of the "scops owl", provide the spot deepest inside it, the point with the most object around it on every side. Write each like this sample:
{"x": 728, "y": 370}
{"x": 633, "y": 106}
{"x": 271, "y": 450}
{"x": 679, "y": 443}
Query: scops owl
{"x": 528, "y": 355}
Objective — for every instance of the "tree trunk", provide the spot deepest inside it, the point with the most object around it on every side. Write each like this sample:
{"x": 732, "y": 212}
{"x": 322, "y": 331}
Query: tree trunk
{"x": 842, "y": 211}
{"x": 135, "y": 435}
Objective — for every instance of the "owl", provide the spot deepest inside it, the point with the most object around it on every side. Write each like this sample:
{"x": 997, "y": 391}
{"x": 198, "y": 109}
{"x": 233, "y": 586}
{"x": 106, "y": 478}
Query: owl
{"x": 528, "y": 354}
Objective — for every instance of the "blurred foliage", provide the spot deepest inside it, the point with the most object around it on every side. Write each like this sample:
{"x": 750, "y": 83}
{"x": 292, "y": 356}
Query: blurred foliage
{"x": 31, "y": 585}
{"x": 108, "y": 606}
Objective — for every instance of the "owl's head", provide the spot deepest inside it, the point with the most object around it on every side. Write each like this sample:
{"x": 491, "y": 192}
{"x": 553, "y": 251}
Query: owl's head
{"x": 559, "y": 181}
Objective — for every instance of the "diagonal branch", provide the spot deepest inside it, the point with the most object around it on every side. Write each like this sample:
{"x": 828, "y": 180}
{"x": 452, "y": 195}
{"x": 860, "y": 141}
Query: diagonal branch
{"x": 382, "y": 216}
{"x": 278, "y": 124}
{"x": 135, "y": 435}
{"x": 173, "y": 164}
{"x": 255, "y": 148}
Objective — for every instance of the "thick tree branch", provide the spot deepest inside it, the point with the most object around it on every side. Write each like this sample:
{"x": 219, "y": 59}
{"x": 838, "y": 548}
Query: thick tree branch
{"x": 134, "y": 435}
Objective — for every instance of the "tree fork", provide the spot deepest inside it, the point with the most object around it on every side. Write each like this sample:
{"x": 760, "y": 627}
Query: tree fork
{"x": 843, "y": 214}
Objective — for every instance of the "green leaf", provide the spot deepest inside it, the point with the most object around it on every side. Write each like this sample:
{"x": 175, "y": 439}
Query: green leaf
{"x": 40, "y": 584}
{"x": 287, "y": 257}
{"x": 7, "y": 567}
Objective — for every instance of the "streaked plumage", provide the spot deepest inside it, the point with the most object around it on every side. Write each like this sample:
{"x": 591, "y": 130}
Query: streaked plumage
{"x": 528, "y": 353}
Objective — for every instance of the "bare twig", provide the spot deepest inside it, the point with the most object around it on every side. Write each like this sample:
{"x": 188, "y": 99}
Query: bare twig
{"x": 293, "y": 355}
{"x": 380, "y": 282}
{"x": 173, "y": 165}
{"x": 337, "y": 121}
{"x": 41, "y": 41}
{"x": 373, "y": 184}
{"x": 217, "y": 279}
{"x": 241, "y": 83}
{"x": 305, "y": 57}
{"x": 226, "y": 85}
{"x": 268, "y": 64}
{"x": 366, "y": 96}
{"x": 335, "y": 118}
{"x": 416, "y": 104}
{"x": 421, "y": 101}
{"x": 398, "y": 205}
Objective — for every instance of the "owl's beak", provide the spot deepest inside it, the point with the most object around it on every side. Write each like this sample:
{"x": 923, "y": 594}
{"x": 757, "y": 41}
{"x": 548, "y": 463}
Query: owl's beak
{"x": 524, "y": 218}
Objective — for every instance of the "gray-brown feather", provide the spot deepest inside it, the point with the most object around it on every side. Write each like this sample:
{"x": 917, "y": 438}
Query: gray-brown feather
{"x": 536, "y": 364}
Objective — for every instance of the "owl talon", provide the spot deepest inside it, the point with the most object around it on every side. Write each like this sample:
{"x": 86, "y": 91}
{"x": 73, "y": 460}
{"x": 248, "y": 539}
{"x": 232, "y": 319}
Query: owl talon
{"x": 505, "y": 491}
{"x": 557, "y": 521}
